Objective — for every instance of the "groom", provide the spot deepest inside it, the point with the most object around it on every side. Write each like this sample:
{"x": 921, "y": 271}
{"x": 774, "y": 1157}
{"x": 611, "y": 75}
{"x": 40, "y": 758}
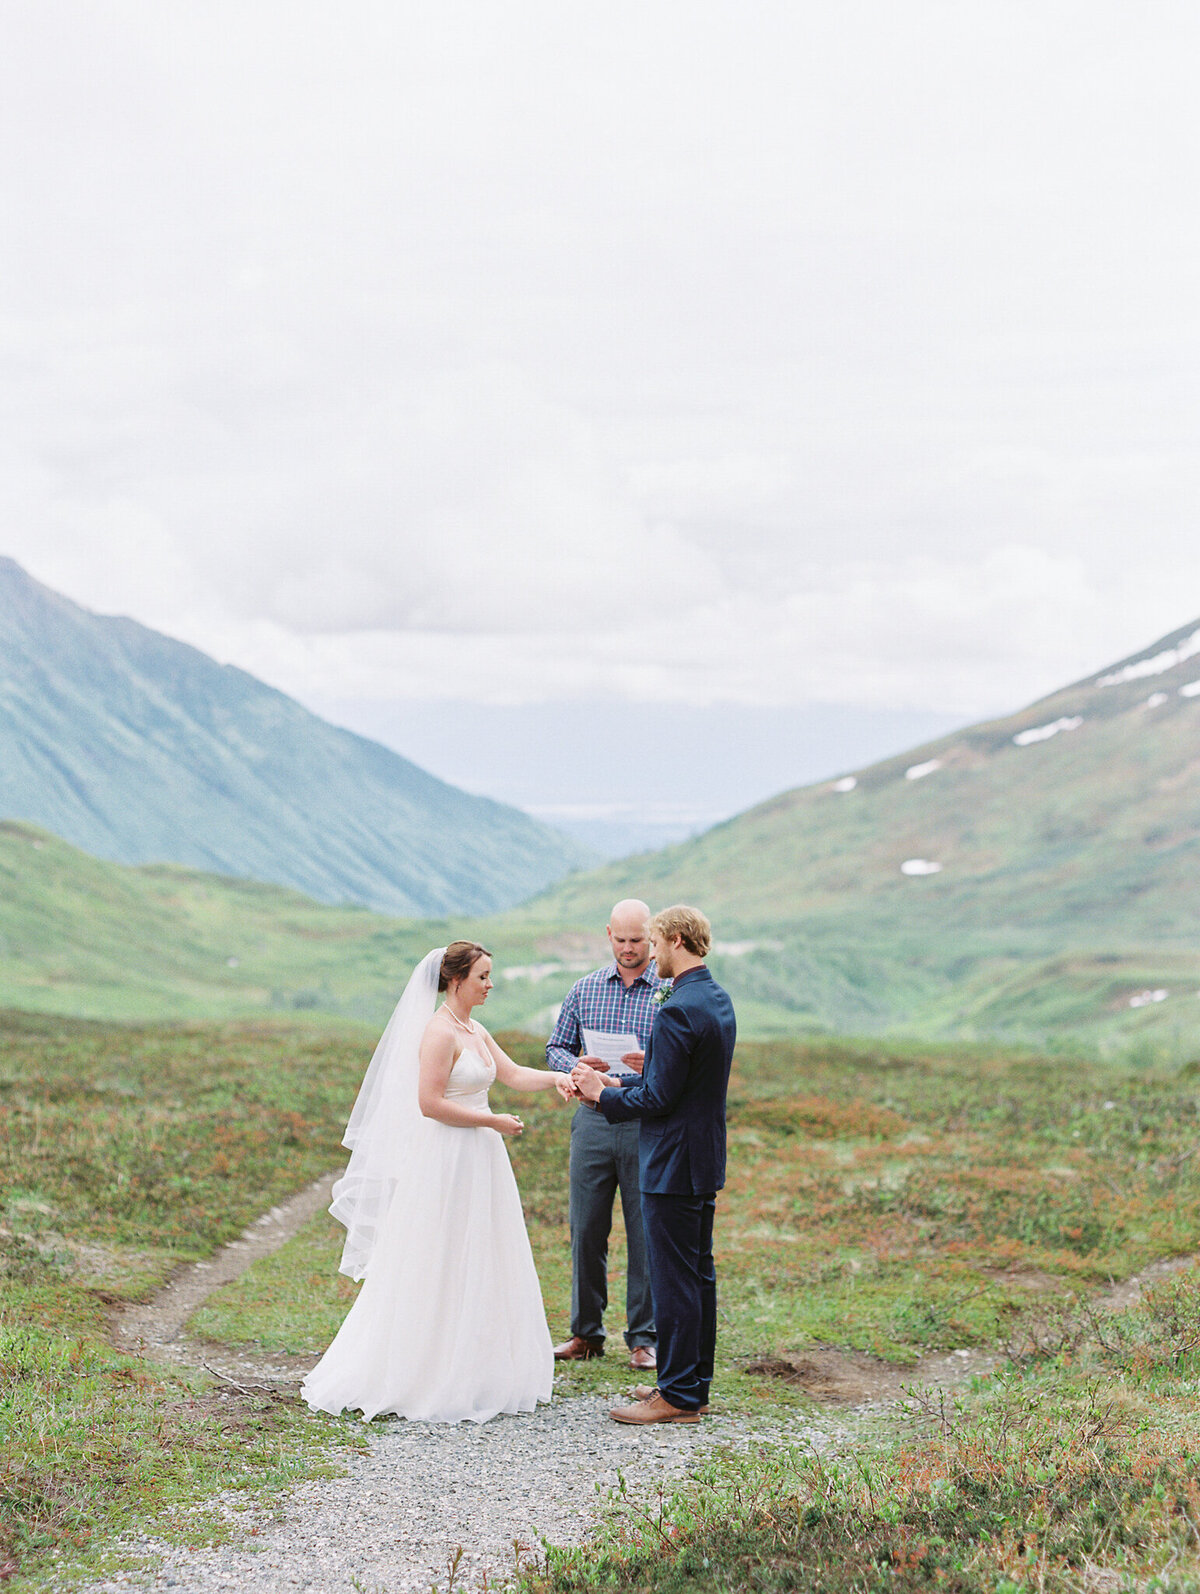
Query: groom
{"x": 681, "y": 1105}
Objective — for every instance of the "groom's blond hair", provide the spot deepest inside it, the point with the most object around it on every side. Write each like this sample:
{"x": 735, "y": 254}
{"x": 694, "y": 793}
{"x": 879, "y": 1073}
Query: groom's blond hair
{"x": 689, "y": 924}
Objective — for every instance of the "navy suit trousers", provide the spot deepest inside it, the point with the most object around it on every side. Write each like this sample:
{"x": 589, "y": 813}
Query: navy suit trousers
{"x": 679, "y": 1231}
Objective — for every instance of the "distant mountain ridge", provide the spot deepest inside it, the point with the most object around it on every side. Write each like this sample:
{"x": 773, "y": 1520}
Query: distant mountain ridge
{"x": 139, "y": 749}
{"x": 1092, "y": 794}
{"x": 1055, "y": 905}
{"x": 920, "y": 888}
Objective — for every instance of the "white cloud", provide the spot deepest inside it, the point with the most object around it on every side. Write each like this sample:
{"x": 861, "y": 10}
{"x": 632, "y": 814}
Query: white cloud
{"x": 848, "y": 354}
{"x": 968, "y": 638}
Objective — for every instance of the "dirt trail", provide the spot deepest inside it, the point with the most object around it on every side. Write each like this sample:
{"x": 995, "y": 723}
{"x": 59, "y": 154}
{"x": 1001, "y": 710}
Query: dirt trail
{"x": 829, "y": 1376}
{"x": 849, "y": 1378}
{"x": 1116, "y": 1297}
{"x": 157, "y": 1326}
{"x": 421, "y": 1494}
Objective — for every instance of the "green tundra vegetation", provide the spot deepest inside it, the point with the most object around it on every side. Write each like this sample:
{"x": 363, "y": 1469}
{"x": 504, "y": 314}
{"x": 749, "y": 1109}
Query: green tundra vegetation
{"x": 91, "y": 939}
{"x": 1031, "y": 879}
{"x": 86, "y": 938}
{"x": 123, "y": 1153}
{"x": 1075, "y": 1467}
{"x": 885, "y": 1201}
{"x": 1054, "y": 866}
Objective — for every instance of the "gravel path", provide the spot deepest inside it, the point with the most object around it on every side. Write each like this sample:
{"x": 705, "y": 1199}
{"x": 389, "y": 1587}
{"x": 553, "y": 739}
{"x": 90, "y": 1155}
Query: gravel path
{"x": 423, "y": 1490}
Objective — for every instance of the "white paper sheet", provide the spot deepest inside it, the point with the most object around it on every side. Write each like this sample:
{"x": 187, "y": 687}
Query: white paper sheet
{"x": 610, "y": 1048}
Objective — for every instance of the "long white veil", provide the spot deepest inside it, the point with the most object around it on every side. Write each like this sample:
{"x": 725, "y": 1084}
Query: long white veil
{"x": 385, "y": 1119}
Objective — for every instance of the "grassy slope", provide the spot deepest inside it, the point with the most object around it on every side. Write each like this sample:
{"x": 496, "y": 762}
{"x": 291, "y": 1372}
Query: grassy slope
{"x": 1070, "y": 872}
{"x": 83, "y": 937}
{"x": 1091, "y": 836}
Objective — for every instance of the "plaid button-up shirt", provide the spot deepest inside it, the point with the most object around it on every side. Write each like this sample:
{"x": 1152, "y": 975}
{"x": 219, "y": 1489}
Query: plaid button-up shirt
{"x": 602, "y": 1000}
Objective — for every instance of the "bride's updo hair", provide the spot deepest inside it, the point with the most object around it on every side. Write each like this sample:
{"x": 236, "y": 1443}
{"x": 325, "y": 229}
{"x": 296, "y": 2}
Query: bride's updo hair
{"x": 459, "y": 958}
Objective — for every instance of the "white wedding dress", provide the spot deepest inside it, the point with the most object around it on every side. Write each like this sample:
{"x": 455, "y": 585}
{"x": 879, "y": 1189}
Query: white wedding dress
{"x": 449, "y": 1324}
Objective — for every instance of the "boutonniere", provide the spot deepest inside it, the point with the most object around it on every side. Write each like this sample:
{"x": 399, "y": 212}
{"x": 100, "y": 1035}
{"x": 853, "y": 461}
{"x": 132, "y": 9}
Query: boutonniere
{"x": 663, "y": 994}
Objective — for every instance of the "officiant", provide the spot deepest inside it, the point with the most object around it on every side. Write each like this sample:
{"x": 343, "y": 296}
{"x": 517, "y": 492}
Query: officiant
{"x": 618, "y": 999}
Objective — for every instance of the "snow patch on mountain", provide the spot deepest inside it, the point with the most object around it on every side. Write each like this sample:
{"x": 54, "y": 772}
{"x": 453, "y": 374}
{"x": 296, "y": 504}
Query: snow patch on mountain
{"x": 920, "y": 866}
{"x": 1148, "y": 998}
{"x": 1043, "y": 733}
{"x": 919, "y": 771}
{"x": 1157, "y": 665}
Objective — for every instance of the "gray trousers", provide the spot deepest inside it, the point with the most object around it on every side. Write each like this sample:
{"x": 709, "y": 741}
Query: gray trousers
{"x": 604, "y": 1158}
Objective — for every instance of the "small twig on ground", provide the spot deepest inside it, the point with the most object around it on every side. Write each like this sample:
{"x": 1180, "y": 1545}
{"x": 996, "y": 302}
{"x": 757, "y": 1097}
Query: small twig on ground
{"x": 242, "y": 1389}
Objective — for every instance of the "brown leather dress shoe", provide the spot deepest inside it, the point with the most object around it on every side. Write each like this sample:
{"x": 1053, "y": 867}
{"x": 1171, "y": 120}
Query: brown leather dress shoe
{"x": 576, "y": 1349}
{"x": 656, "y": 1409}
{"x": 642, "y": 1358}
{"x": 644, "y": 1392}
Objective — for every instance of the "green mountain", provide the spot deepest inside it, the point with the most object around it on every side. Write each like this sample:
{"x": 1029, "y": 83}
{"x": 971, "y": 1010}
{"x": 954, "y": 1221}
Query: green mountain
{"x": 84, "y": 937}
{"x": 139, "y": 749}
{"x": 1035, "y": 872}
{"x": 1063, "y": 913}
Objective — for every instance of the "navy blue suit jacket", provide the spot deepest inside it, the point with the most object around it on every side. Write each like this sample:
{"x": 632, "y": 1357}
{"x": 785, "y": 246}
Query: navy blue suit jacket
{"x": 680, "y": 1100}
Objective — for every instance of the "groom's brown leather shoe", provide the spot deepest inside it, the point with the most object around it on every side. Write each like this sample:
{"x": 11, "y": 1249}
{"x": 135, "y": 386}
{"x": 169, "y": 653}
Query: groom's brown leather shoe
{"x": 656, "y": 1409}
{"x": 644, "y": 1392}
{"x": 576, "y": 1349}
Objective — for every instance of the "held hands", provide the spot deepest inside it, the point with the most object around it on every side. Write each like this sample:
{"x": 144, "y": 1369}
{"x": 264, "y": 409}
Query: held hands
{"x": 567, "y": 1087}
{"x": 587, "y": 1081}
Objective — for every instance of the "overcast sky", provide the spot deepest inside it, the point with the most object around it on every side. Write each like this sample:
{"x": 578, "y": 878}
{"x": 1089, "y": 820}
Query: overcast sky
{"x": 676, "y": 352}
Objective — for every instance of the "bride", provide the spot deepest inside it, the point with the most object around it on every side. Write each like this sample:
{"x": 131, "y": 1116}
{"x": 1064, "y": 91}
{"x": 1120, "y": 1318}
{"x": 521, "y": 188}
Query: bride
{"x": 449, "y": 1323}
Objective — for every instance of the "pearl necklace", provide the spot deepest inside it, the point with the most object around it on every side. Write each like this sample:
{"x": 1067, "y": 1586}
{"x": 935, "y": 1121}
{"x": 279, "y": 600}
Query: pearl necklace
{"x": 468, "y": 1027}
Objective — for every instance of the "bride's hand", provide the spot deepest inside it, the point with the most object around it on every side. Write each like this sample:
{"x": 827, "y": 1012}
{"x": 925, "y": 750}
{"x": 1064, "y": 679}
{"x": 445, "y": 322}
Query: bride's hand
{"x": 507, "y": 1124}
{"x": 562, "y": 1083}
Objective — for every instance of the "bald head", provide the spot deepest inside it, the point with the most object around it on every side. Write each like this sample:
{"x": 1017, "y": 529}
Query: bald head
{"x": 630, "y": 914}
{"x": 629, "y": 937}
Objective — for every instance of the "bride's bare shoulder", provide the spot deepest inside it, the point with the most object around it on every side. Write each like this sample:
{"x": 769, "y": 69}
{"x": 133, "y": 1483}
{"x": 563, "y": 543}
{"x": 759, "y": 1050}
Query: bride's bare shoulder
{"x": 438, "y": 1030}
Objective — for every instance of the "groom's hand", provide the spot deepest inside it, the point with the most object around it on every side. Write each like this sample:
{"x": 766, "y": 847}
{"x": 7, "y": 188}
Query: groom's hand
{"x": 587, "y": 1082}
